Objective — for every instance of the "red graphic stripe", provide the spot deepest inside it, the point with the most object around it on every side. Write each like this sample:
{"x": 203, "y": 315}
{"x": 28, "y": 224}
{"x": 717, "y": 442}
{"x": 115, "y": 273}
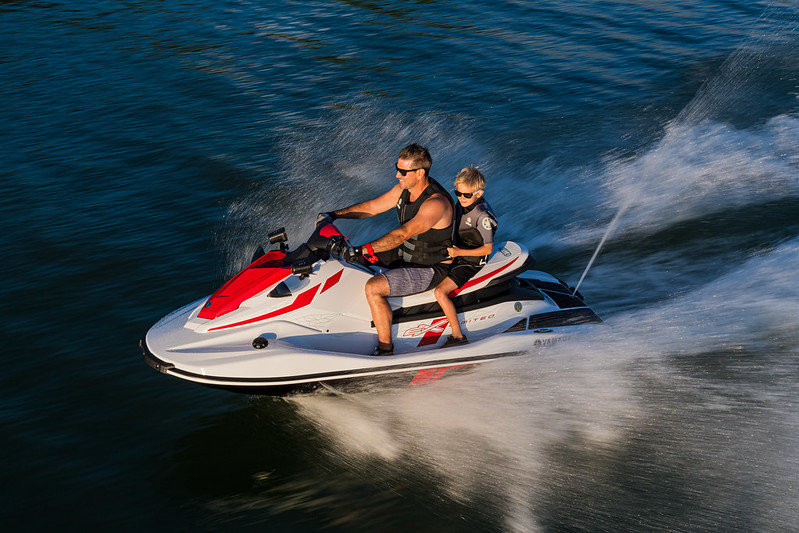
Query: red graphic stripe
{"x": 475, "y": 281}
{"x": 302, "y": 300}
{"x": 332, "y": 280}
{"x": 434, "y": 333}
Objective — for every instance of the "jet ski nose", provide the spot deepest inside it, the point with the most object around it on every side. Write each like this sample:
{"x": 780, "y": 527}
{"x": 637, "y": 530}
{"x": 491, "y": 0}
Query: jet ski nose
{"x": 152, "y": 361}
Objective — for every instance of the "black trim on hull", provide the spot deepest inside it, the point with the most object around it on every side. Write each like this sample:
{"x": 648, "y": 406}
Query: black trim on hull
{"x": 351, "y": 380}
{"x": 567, "y": 317}
{"x": 152, "y": 361}
{"x": 352, "y": 385}
{"x": 167, "y": 368}
{"x": 521, "y": 325}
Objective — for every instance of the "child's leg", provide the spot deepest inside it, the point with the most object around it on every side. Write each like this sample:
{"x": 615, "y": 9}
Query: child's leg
{"x": 442, "y": 296}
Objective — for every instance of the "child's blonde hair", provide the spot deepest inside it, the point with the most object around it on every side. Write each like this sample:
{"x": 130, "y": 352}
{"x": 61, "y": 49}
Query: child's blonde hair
{"x": 471, "y": 177}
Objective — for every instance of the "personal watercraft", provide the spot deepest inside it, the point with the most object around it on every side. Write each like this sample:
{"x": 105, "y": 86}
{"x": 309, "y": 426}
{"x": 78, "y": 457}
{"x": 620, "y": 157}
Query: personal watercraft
{"x": 297, "y": 320}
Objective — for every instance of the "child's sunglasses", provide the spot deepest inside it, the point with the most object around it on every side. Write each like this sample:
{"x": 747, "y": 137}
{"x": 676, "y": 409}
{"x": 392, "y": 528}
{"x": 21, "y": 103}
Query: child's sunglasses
{"x": 466, "y": 195}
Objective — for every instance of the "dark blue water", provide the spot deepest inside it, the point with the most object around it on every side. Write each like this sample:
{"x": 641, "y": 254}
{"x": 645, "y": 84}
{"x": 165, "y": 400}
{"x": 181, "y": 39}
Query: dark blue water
{"x": 148, "y": 147}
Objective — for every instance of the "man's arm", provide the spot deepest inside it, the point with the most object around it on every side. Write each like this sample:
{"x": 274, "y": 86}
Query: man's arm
{"x": 430, "y": 212}
{"x": 372, "y": 207}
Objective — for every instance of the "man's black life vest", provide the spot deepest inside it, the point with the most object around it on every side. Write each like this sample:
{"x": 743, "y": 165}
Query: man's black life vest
{"x": 430, "y": 247}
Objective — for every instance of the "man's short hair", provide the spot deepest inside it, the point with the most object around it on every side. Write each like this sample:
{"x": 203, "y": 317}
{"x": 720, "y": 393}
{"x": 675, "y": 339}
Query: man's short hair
{"x": 419, "y": 155}
{"x": 471, "y": 177}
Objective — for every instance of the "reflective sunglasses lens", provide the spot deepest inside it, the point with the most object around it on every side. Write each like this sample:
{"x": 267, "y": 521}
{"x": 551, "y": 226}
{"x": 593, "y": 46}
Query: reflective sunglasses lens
{"x": 404, "y": 171}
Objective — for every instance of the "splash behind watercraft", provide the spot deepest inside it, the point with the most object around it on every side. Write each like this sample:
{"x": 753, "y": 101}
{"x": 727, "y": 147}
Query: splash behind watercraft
{"x": 293, "y": 321}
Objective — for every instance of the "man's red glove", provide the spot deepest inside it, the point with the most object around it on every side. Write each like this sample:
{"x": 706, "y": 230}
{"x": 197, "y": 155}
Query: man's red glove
{"x": 366, "y": 251}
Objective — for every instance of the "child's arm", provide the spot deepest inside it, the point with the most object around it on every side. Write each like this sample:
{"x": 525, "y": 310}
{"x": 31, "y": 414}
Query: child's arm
{"x": 485, "y": 249}
{"x": 486, "y": 226}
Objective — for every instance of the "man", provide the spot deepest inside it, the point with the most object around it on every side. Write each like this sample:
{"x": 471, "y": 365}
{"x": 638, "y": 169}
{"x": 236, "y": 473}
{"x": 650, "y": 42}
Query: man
{"x": 425, "y": 212}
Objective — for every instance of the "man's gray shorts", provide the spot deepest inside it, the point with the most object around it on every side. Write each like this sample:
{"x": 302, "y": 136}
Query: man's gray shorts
{"x": 403, "y": 281}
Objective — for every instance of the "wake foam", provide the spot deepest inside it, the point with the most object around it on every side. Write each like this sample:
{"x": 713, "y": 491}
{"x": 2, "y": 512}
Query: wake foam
{"x": 698, "y": 170}
{"x": 753, "y": 307}
{"x": 561, "y": 423}
{"x": 486, "y": 436}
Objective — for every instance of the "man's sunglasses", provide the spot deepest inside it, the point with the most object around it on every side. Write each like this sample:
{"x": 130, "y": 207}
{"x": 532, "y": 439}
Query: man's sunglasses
{"x": 466, "y": 195}
{"x": 403, "y": 171}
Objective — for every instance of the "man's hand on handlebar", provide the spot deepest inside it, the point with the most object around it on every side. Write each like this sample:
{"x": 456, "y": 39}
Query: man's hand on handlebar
{"x": 341, "y": 247}
{"x": 365, "y": 251}
{"x": 325, "y": 218}
{"x": 338, "y": 245}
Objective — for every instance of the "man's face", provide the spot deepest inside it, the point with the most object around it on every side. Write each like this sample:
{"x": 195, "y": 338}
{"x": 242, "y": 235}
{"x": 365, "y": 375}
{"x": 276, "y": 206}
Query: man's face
{"x": 412, "y": 173}
{"x": 461, "y": 191}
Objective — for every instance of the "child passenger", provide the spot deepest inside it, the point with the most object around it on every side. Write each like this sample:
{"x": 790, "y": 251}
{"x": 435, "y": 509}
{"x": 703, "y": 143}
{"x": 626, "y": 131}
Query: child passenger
{"x": 475, "y": 225}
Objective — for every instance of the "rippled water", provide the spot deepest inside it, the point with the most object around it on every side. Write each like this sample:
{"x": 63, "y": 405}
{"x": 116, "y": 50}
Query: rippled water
{"x": 148, "y": 147}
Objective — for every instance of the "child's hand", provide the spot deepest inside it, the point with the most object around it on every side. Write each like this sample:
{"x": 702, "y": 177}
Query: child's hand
{"x": 452, "y": 251}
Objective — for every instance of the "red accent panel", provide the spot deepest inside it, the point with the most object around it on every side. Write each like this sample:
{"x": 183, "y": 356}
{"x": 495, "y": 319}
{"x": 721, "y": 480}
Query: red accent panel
{"x": 265, "y": 271}
{"x": 474, "y": 281}
{"x": 422, "y": 376}
{"x": 432, "y": 335}
{"x": 332, "y": 280}
{"x": 329, "y": 230}
{"x": 303, "y": 299}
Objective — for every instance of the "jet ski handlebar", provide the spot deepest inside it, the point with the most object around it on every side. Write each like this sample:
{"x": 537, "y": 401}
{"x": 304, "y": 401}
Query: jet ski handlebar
{"x": 337, "y": 245}
{"x": 340, "y": 246}
{"x": 325, "y": 241}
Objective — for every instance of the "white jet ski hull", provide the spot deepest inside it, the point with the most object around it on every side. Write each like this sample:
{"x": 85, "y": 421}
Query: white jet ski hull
{"x": 269, "y": 331}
